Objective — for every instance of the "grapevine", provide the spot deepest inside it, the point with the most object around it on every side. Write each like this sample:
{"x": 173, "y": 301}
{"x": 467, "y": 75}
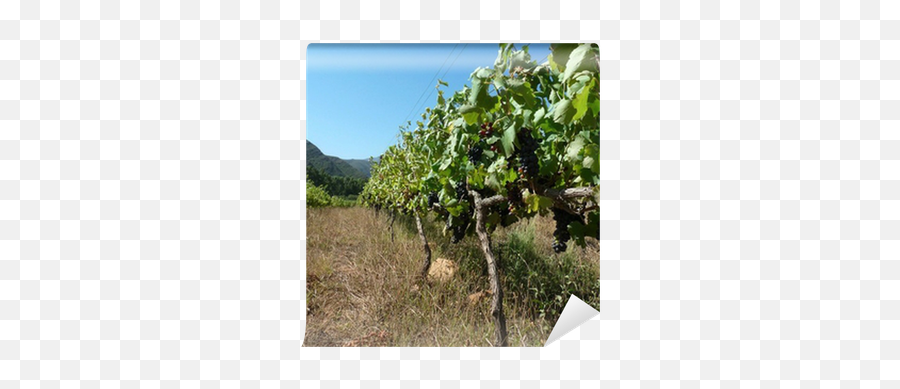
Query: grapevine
{"x": 521, "y": 139}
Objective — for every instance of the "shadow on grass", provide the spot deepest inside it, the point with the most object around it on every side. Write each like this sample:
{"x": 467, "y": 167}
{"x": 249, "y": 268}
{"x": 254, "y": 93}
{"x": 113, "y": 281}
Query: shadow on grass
{"x": 542, "y": 284}
{"x": 534, "y": 282}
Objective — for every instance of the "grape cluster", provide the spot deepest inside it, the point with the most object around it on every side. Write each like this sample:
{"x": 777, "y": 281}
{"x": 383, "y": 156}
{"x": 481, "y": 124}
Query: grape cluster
{"x": 475, "y": 153}
{"x": 558, "y": 247}
{"x": 487, "y": 129}
{"x": 502, "y": 211}
{"x": 432, "y": 199}
{"x": 462, "y": 221}
{"x": 561, "y": 233}
{"x": 461, "y": 193}
{"x": 459, "y": 232}
{"x": 514, "y": 195}
{"x": 528, "y": 163}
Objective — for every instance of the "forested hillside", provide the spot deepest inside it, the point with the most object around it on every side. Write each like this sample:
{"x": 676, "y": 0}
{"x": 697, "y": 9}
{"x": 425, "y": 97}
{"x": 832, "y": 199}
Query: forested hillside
{"x": 331, "y": 165}
{"x": 363, "y": 165}
{"x": 335, "y": 185}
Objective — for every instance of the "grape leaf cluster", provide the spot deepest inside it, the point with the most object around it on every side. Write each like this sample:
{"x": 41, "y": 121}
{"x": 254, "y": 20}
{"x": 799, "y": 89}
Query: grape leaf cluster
{"x": 528, "y": 154}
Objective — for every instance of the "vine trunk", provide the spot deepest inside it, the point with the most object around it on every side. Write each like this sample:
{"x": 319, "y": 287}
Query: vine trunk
{"x": 484, "y": 238}
{"x": 427, "y": 264}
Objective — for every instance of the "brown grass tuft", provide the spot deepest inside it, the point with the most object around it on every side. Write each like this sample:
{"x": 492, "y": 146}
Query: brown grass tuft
{"x": 442, "y": 270}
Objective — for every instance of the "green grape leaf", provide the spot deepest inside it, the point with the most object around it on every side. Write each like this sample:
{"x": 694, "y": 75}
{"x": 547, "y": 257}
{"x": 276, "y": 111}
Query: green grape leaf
{"x": 592, "y": 158}
{"x": 456, "y": 139}
{"x": 479, "y": 95}
{"x": 502, "y": 55}
{"x": 521, "y": 59}
{"x": 499, "y": 83}
{"x": 576, "y": 231}
{"x": 470, "y": 113}
{"x": 511, "y": 175}
{"x": 563, "y": 112}
{"x": 493, "y": 182}
{"x": 476, "y": 177}
{"x": 538, "y": 116}
{"x": 521, "y": 93}
{"x": 483, "y": 73}
{"x": 497, "y": 165}
{"x": 472, "y": 117}
{"x": 574, "y": 88}
{"x": 574, "y": 148}
{"x": 593, "y": 226}
{"x": 515, "y": 84}
{"x": 582, "y": 58}
{"x": 526, "y": 116}
{"x": 456, "y": 123}
{"x": 549, "y": 164}
{"x": 499, "y": 80}
{"x": 580, "y": 102}
{"x": 467, "y": 108}
{"x": 536, "y": 203}
{"x": 454, "y": 207}
{"x": 559, "y": 55}
{"x": 585, "y": 176}
{"x": 509, "y": 137}
{"x": 590, "y": 163}
{"x": 445, "y": 164}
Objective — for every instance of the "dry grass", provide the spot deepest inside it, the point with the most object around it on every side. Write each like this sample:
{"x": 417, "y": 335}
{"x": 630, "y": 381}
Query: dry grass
{"x": 442, "y": 270}
{"x": 363, "y": 290}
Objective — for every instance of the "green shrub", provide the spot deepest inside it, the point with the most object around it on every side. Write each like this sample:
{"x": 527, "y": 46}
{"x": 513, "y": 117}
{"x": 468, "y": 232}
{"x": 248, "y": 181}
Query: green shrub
{"x": 317, "y": 197}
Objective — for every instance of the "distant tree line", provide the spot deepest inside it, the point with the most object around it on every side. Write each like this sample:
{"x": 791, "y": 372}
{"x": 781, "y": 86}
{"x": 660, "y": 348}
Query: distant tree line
{"x": 335, "y": 185}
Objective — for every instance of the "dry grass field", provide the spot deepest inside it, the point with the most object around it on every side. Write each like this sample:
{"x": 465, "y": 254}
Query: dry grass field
{"x": 363, "y": 290}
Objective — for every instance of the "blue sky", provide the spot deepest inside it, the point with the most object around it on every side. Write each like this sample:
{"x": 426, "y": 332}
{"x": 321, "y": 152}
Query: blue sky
{"x": 358, "y": 95}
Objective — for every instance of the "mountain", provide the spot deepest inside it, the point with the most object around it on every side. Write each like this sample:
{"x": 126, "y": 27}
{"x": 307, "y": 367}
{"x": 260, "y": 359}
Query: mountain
{"x": 335, "y": 166}
{"x": 363, "y": 165}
